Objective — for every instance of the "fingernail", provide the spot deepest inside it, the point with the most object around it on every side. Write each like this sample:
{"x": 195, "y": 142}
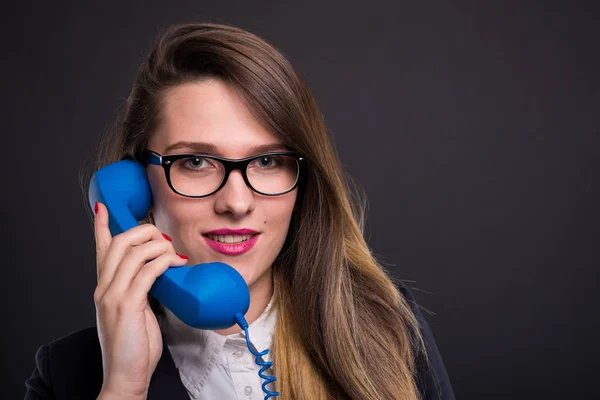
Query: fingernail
{"x": 96, "y": 208}
{"x": 182, "y": 256}
{"x": 167, "y": 237}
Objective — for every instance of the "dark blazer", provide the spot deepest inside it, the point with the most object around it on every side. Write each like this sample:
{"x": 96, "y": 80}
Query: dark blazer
{"x": 71, "y": 368}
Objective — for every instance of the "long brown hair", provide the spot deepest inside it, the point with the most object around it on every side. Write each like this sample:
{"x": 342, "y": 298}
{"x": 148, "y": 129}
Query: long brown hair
{"x": 343, "y": 329}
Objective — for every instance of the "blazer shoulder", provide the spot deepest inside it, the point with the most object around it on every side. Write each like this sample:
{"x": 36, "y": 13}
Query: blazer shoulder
{"x": 84, "y": 340}
{"x": 69, "y": 367}
{"x": 432, "y": 378}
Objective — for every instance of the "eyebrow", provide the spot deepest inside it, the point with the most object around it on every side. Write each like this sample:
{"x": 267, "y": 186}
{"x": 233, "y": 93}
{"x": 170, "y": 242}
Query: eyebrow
{"x": 209, "y": 148}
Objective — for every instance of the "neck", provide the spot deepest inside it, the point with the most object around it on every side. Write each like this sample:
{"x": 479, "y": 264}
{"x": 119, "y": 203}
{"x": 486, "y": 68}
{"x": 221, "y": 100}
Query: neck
{"x": 260, "y": 295}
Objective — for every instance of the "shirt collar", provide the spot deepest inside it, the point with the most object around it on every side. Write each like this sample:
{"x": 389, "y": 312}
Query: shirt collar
{"x": 195, "y": 351}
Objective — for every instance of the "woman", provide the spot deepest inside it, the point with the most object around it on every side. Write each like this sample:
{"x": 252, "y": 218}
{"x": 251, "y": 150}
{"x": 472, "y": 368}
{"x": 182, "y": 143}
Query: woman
{"x": 336, "y": 324}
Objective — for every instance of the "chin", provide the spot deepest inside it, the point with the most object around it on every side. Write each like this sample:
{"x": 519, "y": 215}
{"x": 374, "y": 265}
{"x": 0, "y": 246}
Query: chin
{"x": 244, "y": 267}
{"x": 252, "y": 277}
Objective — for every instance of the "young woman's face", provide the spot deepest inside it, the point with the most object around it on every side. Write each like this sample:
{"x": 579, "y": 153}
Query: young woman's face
{"x": 211, "y": 112}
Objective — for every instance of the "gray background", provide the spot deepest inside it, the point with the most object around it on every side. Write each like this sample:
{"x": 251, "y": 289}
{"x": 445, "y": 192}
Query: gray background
{"x": 473, "y": 127}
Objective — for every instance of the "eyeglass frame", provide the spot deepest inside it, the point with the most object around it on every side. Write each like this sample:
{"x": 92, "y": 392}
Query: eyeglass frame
{"x": 151, "y": 157}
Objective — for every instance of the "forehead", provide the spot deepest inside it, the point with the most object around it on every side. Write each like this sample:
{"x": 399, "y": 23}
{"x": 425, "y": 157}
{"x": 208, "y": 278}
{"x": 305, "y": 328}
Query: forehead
{"x": 209, "y": 112}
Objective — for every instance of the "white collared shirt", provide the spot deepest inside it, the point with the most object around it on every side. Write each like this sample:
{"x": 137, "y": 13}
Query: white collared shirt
{"x": 214, "y": 366}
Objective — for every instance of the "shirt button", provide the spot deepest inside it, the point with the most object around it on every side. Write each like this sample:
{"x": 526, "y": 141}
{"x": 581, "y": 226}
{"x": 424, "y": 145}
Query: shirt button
{"x": 248, "y": 390}
{"x": 238, "y": 353}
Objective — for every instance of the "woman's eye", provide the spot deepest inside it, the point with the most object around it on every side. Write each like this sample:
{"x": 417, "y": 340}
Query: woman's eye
{"x": 267, "y": 161}
{"x": 195, "y": 163}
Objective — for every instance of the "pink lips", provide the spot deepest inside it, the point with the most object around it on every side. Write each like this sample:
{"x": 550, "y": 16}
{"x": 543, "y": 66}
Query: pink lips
{"x": 232, "y": 249}
{"x": 226, "y": 231}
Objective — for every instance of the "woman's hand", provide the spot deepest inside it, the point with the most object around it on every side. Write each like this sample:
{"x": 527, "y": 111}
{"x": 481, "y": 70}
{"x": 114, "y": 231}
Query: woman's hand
{"x": 130, "y": 338}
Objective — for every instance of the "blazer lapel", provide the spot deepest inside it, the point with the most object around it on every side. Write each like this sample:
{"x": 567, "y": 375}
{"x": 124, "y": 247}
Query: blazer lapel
{"x": 165, "y": 382}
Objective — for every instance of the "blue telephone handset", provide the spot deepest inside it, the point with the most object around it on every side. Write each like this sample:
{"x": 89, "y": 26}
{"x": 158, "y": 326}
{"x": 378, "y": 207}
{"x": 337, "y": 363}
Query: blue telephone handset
{"x": 205, "y": 296}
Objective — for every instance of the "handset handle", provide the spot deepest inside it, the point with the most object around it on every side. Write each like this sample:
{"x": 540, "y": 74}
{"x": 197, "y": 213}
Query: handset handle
{"x": 204, "y": 296}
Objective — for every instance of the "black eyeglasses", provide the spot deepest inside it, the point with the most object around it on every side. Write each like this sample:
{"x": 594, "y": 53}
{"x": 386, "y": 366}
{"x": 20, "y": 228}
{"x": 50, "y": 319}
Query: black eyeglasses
{"x": 200, "y": 175}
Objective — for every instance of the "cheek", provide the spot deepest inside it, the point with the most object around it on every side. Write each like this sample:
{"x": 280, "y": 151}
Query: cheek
{"x": 171, "y": 211}
{"x": 161, "y": 196}
{"x": 278, "y": 215}
{"x": 158, "y": 184}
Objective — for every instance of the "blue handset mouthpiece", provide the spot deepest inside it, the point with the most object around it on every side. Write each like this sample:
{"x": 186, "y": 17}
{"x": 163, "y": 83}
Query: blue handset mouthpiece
{"x": 204, "y": 296}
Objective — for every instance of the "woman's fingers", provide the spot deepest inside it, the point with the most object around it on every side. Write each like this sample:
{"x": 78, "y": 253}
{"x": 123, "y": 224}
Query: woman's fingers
{"x": 120, "y": 246}
{"x": 143, "y": 281}
{"x": 102, "y": 235}
{"x": 134, "y": 261}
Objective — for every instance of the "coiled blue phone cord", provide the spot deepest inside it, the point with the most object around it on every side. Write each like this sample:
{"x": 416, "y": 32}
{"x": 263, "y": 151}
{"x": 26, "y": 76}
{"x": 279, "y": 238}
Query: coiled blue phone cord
{"x": 265, "y": 364}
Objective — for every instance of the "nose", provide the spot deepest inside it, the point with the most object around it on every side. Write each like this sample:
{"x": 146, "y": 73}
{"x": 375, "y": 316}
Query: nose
{"x": 235, "y": 197}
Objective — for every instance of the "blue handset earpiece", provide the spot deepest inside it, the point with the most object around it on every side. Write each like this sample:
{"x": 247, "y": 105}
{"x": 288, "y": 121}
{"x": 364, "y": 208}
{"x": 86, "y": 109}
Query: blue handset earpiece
{"x": 204, "y": 296}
